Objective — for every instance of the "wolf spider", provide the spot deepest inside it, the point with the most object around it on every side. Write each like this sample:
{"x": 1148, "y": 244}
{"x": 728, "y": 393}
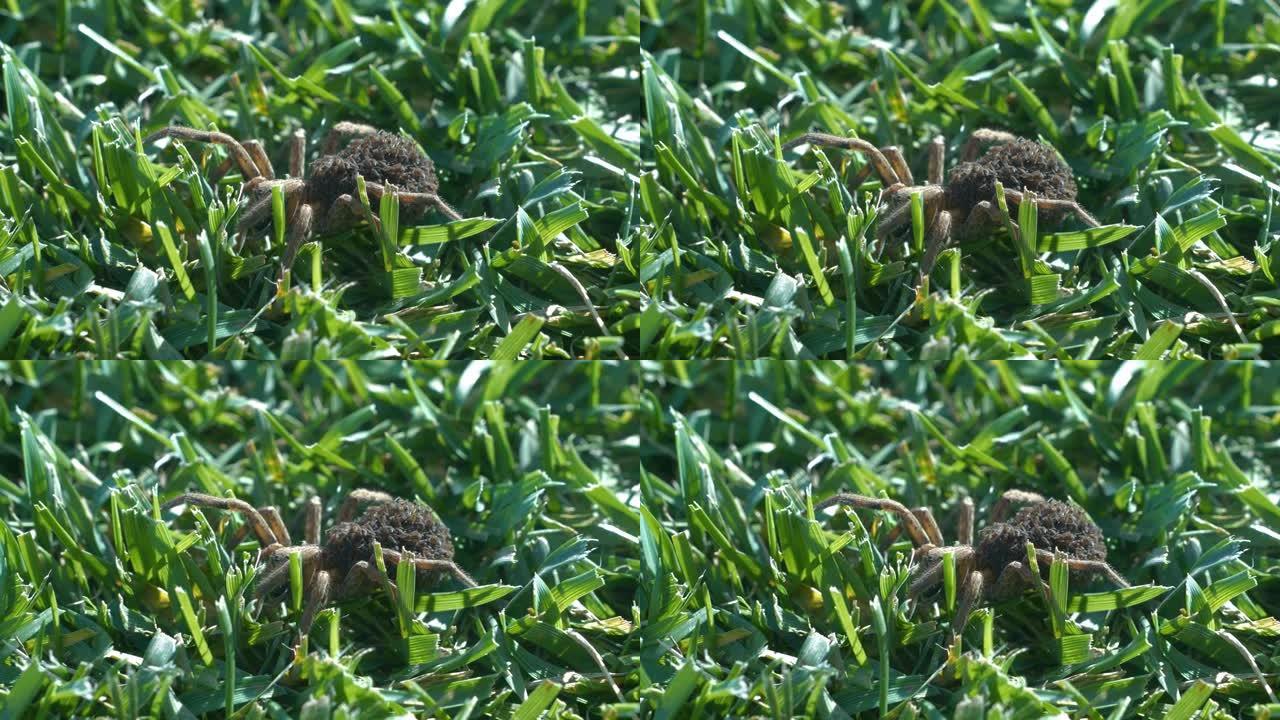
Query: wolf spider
{"x": 327, "y": 200}
{"x": 407, "y": 532}
{"x": 965, "y": 204}
{"x": 995, "y": 567}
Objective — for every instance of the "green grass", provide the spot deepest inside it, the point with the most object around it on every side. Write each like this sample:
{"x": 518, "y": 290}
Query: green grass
{"x": 659, "y": 514}
{"x": 1163, "y": 110}
{"x": 617, "y": 164}
{"x": 111, "y": 249}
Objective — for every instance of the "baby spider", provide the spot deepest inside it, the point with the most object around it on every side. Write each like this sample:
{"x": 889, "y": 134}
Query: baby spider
{"x": 995, "y": 566}
{"x": 966, "y": 204}
{"x": 327, "y": 201}
{"x": 407, "y": 532}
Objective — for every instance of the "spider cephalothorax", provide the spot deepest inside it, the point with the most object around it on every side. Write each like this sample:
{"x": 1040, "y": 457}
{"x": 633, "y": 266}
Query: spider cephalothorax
{"x": 996, "y": 565}
{"x": 965, "y": 204}
{"x": 326, "y": 200}
{"x": 407, "y": 532}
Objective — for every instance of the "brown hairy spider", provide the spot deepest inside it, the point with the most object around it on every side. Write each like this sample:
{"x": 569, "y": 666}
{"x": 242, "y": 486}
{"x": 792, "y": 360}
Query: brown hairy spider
{"x": 966, "y": 204}
{"x": 995, "y": 566}
{"x": 407, "y": 532}
{"x": 327, "y": 200}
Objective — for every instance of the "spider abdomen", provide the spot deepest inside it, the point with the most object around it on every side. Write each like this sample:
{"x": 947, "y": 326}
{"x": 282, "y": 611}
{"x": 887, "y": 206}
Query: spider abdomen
{"x": 1050, "y": 525}
{"x": 1019, "y": 165}
{"x": 398, "y": 525}
{"x": 381, "y": 157}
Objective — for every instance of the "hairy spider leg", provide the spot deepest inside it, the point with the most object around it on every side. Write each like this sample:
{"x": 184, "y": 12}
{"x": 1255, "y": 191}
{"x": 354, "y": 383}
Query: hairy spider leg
{"x": 925, "y": 516}
{"x": 299, "y": 230}
{"x": 931, "y": 195}
{"x": 259, "y": 155}
{"x": 260, "y": 525}
{"x": 261, "y": 208}
{"x": 395, "y": 558}
{"x": 887, "y": 174}
{"x": 1079, "y": 565}
{"x": 357, "y": 496}
{"x": 317, "y": 598}
{"x": 311, "y": 533}
{"x": 1015, "y": 197}
{"x": 909, "y": 520}
{"x": 894, "y": 155}
{"x": 342, "y": 133}
{"x": 1013, "y": 578}
{"x": 298, "y": 153}
{"x": 931, "y": 574}
{"x": 936, "y": 240}
{"x": 984, "y": 136}
{"x": 1000, "y": 510}
{"x": 964, "y": 524}
{"x": 278, "y": 566}
{"x": 937, "y": 160}
{"x": 376, "y": 190}
{"x": 238, "y": 151}
{"x": 971, "y": 590}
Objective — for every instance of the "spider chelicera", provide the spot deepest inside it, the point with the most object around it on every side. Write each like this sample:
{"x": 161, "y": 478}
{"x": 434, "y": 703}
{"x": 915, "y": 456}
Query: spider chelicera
{"x": 343, "y": 563}
{"x": 965, "y": 204}
{"x": 995, "y": 566}
{"x": 326, "y": 200}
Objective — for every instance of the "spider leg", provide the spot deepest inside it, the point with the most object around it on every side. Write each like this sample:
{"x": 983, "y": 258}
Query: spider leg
{"x": 970, "y": 594}
{"x": 1001, "y": 509}
{"x": 1044, "y": 203}
{"x": 980, "y": 215}
{"x": 395, "y": 557}
{"x": 260, "y": 525}
{"x": 261, "y": 208}
{"x": 899, "y": 163}
{"x": 260, "y": 159}
{"x": 317, "y": 599}
{"x": 242, "y": 156}
{"x": 1099, "y": 566}
{"x": 312, "y": 533}
{"x": 901, "y": 214}
{"x": 984, "y": 136}
{"x": 375, "y": 191}
{"x": 298, "y": 153}
{"x": 925, "y": 516}
{"x": 273, "y": 518}
{"x": 299, "y": 230}
{"x": 278, "y": 573}
{"x": 344, "y": 131}
{"x": 362, "y": 573}
{"x": 1012, "y": 578}
{"x": 913, "y": 526}
{"x": 964, "y": 526}
{"x": 939, "y": 237}
{"x": 932, "y": 574}
{"x": 937, "y": 160}
{"x": 343, "y": 212}
{"x": 887, "y": 174}
{"x": 361, "y": 495}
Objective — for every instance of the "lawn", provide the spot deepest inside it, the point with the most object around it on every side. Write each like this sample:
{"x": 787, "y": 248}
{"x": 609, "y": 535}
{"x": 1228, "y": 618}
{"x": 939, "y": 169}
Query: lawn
{"x": 1163, "y": 110}
{"x": 643, "y": 538}
{"x": 618, "y": 171}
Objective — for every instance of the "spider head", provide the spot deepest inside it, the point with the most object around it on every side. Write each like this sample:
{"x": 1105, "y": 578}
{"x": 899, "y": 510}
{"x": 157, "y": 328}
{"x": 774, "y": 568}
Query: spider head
{"x": 398, "y": 525}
